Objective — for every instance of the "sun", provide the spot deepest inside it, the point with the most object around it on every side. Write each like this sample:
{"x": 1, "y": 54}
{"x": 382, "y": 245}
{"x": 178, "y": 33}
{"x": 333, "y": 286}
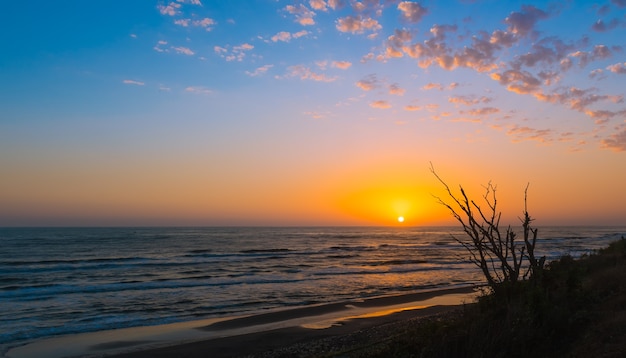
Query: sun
{"x": 400, "y": 219}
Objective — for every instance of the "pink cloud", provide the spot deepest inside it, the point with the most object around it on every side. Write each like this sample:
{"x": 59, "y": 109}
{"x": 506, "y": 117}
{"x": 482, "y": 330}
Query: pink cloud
{"x": 485, "y": 111}
{"x": 357, "y": 24}
{"x": 395, "y": 89}
{"x": 521, "y": 82}
{"x": 184, "y": 50}
{"x": 469, "y": 100}
{"x": 521, "y": 134}
{"x": 412, "y": 108}
{"x": 318, "y": 5}
{"x": 619, "y": 68}
{"x": 259, "y": 71}
{"x": 380, "y": 104}
{"x": 285, "y": 36}
{"x": 616, "y": 141}
{"x": 303, "y": 15}
{"x": 412, "y": 11}
{"x": 431, "y": 85}
{"x": 344, "y": 65}
{"x": 305, "y": 73}
{"x": 171, "y": 9}
{"x": 368, "y": 83}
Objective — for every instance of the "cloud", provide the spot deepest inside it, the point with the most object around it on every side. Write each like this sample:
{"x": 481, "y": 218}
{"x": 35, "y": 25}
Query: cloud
{"x": 485, "y": 111}
{"x": 282, "y": 36}
{"x": 192, "y": 2}
{"x": 368, "y": 83}
{"x": 132, "y": 82}
{"x": 158, "y": 47}
{"x": 305, "y": 73}
{"x": 617, "y": 141}
{"x": 315, "y": 115}
{"x": 412, "y": 108}
{"x": 599, "y": 52}
{"x": 521, "y": 82}
{"x": 380, "y": 104}
{"x": 357, "y": 24}
{"x": 285, "y": 36}
{"x": 182, "y": 22}
{"x": 597, "y": 73}
{"x": 344, "y": 65}
{"x": 395, "y": 89}
{"x": 431, "y": 85}
{"x": 577, "y": 99}
{"x": 522, "y": 22}
{"x": 184, "y": 50}
{"x": 171, "y": 9}
{"x": 397, "y": 43}
{"x": 619, "y": 68}
{"x": 259, "y": 71}
{"x": 469, "y": 100}
{"x": 601, "y": 26}
{"x": 412, "y": 11}
{"x": 303, "y": 15}
{"x": 205, "y": 23}
{"x": 198, "y": 90}
{"x": 619, "y": 3}
{"x": 546, "y": 51}
{"x": 238, "y": 53}
{"x": 318, "y": 5}
{"x": 521, "y": 134}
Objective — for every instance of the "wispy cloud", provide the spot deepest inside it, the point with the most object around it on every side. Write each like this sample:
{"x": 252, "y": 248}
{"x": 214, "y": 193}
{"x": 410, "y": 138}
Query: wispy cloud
{"x": 285, "y": 36}
{"x": 523, "y": 133}
{"x": 305, "y": 73}
{"x": 133, "y": 82}
{"x": 616, "y": 141}
{"x": 183, "y": 50}
{"x": 259, "y": 71}
{"x": 469, "y": 100}
{"x": 238, "y": 53}
{"x": 198, "y": 90}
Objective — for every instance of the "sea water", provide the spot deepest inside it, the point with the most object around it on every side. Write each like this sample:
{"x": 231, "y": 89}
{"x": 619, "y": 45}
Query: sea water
{"x": 56, "y": 281}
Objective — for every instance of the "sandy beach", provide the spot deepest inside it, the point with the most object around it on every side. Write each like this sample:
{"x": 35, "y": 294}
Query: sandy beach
{"x": 275, "y": 333}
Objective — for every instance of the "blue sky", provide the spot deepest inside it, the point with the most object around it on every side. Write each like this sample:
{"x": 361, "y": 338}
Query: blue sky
{"x": 274, "y": 112}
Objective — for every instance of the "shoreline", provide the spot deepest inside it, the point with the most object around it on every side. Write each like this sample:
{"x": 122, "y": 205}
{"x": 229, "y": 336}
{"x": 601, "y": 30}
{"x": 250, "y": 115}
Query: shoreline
{"x": 241, "y": 335}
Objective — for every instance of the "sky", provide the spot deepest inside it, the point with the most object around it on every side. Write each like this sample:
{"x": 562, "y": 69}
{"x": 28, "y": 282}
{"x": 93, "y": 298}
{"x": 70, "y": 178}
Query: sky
{"x": 312, "y": 112}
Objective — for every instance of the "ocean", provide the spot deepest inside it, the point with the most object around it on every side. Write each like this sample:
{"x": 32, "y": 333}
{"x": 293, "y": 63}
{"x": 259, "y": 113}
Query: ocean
{"x": 57, "y": 281}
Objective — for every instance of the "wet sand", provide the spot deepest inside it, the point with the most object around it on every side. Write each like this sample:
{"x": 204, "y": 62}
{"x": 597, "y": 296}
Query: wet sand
{"x": 255, "y": 334}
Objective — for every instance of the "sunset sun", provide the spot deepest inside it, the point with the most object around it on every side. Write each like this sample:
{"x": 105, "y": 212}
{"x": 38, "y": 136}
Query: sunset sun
{"x": 400, "y": 219}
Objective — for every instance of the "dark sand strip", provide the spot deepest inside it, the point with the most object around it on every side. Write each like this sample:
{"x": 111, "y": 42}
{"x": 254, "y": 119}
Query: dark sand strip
{"x": 296, "y": 341}
{"x": 237, "y": 336}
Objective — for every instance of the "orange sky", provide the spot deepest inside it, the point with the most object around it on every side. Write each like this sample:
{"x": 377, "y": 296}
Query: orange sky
{"x": 310, "y": 112}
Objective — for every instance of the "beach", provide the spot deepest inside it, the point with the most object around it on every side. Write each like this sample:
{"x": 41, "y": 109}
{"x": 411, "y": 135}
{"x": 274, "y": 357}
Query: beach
{"x": 307, "y": 330}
